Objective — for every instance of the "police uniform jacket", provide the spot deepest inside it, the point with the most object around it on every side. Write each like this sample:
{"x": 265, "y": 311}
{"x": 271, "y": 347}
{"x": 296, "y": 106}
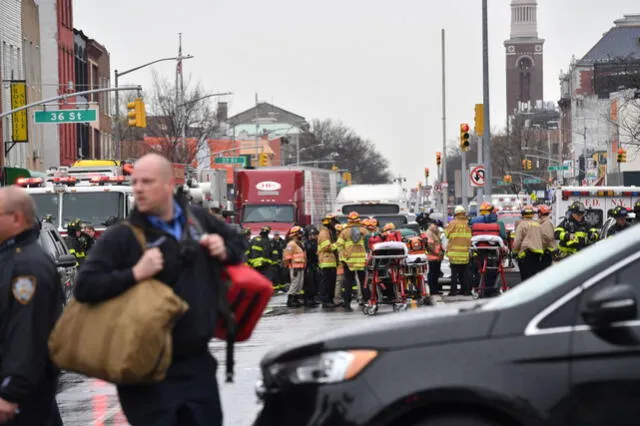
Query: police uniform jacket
{"x": 188, "y": 268}
{"x": 30, "y": 304}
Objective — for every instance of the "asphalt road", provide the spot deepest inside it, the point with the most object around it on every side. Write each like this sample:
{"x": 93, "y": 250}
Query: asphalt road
{"x": 85, "y": 402}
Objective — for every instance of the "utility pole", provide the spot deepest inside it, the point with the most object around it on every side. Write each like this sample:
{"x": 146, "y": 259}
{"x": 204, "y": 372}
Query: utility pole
{"x": 184, "y": 109}
{"x": 486, "y": 137}
{"x": 444, "y": 183}
{"x": 464, "y": 184}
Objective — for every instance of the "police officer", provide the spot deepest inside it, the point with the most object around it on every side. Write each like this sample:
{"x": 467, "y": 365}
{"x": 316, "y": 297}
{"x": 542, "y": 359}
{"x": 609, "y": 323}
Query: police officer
{"x": 620, "y": 214}
{"x": 189, "y": 260}
{"x": 31, "y": 297}
{"x": 574, "y": 233}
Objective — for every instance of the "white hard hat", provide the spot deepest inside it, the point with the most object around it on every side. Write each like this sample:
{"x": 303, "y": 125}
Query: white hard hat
{"x": 459, "y": 210}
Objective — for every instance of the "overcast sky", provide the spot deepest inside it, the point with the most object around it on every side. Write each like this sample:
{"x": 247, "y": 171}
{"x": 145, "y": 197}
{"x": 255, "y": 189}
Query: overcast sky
{"x": 375, "y": 65}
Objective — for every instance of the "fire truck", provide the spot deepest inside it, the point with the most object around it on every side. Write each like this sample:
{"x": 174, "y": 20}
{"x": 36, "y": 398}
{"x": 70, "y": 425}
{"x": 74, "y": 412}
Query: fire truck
{"x": 97, "y": 192}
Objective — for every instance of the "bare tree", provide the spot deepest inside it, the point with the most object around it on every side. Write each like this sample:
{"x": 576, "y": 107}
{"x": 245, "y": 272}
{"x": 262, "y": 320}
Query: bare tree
{"x": 332, "y": 143}
{"x": 168, "y": 117}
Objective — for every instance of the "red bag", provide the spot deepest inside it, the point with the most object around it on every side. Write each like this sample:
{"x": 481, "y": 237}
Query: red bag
{"x": 248, "y": 296}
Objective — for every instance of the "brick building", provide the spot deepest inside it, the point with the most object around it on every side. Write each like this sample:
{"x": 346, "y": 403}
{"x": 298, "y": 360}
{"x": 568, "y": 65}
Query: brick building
{"x": 99, "y": 71}
{"x": 66, "y": 73}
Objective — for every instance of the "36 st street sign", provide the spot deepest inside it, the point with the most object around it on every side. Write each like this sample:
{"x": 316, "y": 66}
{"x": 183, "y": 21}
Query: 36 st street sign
{"x": 66, "y": 116}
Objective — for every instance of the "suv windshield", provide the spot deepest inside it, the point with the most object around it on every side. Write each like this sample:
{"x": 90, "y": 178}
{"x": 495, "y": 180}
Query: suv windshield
{"x": 559, "y": 273}
{"x": 268, "y": 213}
{"x": 47, "y": 204}
{"x": 92, "y": 207}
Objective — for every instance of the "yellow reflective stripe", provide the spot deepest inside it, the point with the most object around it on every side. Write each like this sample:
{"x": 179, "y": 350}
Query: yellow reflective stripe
{"x": 327, "y": 264}
{"x": 258, "y": 248}
{"x": 324, "y": 244}
{"x": 459, "y": 235}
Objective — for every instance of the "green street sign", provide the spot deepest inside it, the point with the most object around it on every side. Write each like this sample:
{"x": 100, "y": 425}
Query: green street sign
{"x": 502, "y": 183}
{"x": 230, "y": 160}
{"x": 554, "y": 168}
{"x": 531, "y": 180}
{"x": 66, "y": 116}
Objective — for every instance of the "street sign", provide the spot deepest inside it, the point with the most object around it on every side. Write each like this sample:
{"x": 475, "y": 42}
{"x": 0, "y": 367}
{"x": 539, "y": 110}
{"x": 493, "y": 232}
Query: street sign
{"x": 476, "y": 175}
{"x": 66, "y": 116}
{"x": 230, "y": 160}
{"x": 438, "y": 188}
{"x": 502, "y": 183}
{"x": 531, "y": 180}
{"x": 554, "y": 168}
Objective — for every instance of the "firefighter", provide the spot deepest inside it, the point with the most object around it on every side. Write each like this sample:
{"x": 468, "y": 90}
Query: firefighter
{"x": 550, "y": 248}
{"x": 636, "y": 211}
{"x": 89, "y": 234}
{"x": 328, "y": 259}
{"x": 458, "y": 235}
{"x": 353, "y": 254}
{"x": 574, "y": 233}
{"x": 75, "y": 241}
{"x": 279, "y": 272}
{"x": 246, "y": 235}
{"x": 529, "y": 244}
{"x": 389, "y": 233}
{"x": 371, "y": 224}
{"x": 261, "y": 253}
{"x": 295, "y": 259}
{"x": 312, "y": 272}
{"x": 620, "y": 214}
{"x": 338, "y": 300}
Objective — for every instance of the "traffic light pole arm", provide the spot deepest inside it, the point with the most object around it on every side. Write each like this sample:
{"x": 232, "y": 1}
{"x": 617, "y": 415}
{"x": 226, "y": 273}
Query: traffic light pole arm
{"x": 539, "y": 157}
{"x": 193, "y": 101}
{"x": 176, "y": 58}
{"x": 69, "y": 95}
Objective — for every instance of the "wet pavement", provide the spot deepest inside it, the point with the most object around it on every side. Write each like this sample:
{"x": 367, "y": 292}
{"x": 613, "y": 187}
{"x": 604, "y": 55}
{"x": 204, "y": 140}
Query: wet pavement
{"x": 92, "y": 402}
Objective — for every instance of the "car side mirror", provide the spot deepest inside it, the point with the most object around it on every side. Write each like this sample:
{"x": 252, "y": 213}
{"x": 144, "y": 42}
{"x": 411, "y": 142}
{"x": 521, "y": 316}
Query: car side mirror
{"x": 609, "y": 305}
{"x": 66, "y": 261}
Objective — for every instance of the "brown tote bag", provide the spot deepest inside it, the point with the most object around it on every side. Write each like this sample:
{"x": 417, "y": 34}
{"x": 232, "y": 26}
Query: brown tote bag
{"x": 124, "y": 340}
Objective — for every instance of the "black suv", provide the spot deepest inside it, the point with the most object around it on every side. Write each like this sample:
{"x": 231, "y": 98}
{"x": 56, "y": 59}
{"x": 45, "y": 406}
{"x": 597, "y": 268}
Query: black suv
{"x": 53, "y": 244}
{"x": 562, "y": 348}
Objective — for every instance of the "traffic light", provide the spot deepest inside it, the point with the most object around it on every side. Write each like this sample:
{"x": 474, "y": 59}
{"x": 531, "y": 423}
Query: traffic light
{"x": 507, "y": 179}
{"x": 438, "y": 158}
{"x": 479, "y": 120}
{"x": 464, "y": 137}
{"x": 622, "y": 155}
{"x": 334, "y": 168}
{"x": 137, "y": 115}
{"x": 263, "y": 159}
{"x": 524, "y": 164}
{"x": 426, "y": 172}
{"x": 528, "y": 164}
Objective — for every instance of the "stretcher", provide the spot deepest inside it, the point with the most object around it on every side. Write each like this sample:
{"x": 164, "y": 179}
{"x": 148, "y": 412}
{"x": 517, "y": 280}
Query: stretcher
{"x": 414, "y": 271}
{"x": 384, "y": 272}
{"x": 488, "y": 252}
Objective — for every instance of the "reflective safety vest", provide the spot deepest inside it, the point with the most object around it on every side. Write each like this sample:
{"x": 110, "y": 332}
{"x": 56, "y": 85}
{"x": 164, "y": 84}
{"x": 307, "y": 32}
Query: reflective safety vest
{"x": 327, "y": 257}
{"x": 459, "y": 236}
{"x": 351, "y": 247}
{"x": 434, "y": 248}
{"x": 294, "y": 256}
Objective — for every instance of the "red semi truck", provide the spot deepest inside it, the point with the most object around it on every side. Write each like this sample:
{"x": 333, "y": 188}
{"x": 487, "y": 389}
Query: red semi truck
{"x": 281, "y": 197}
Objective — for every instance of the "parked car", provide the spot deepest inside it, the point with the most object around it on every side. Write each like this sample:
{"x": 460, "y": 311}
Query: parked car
{"x": 562, "y": 348}
{"x": 66, "y": 262}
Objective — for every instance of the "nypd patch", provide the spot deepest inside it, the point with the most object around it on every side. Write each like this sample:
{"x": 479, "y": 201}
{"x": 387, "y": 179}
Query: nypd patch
{"x": 24, "y": 288}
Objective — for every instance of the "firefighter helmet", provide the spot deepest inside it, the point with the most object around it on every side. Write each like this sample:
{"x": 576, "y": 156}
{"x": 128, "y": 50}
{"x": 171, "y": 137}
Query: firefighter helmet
{"x": 578, "y": 208}
{"x": 486, "y": 207}
{"x": 544, "y": 210}
{"x": 353, "y": 217}
{"x": 619, "y": 212}
{"x": 527, "y": 210}
{"x": 388, "y": 227}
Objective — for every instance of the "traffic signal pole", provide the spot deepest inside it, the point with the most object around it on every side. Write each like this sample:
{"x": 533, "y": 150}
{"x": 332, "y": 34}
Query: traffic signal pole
{"x": 445, "y": 188}
{"x": 486, "y": 137}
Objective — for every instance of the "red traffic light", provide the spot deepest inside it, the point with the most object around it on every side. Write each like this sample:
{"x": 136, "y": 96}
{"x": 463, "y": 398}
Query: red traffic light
{"x": 464, "y": 127}
{"x": 620, "y": 151}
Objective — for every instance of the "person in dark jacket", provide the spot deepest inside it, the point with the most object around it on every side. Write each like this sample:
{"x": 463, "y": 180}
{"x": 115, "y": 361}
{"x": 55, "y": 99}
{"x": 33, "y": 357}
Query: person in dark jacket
{"x": 312, "y": 272}
{"x": 31, "y": 299}
{"x": 189, "y": 261}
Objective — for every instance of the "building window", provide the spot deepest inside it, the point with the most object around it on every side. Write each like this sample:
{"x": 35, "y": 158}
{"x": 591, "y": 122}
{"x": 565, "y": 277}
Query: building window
{"x": 524, "y": 66}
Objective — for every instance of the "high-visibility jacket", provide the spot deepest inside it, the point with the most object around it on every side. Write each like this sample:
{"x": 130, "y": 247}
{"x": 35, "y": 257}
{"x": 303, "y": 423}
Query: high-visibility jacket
{"x": 434, "y": 248}
{"x": 573, "y": 236}
{"x": 294, "y": 255}
{"x": 459, "y": 240}
{"x": 351, "y": 247}
{"x": 261, "y": 252}
{"x": 327, "y": 256}
{"x": 529, "y": 238}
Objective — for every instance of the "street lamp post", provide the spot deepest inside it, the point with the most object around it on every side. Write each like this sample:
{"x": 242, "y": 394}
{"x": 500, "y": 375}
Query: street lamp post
{"x": 120, "y": 74}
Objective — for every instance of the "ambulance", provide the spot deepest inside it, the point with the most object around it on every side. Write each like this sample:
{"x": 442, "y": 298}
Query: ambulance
{"x": 597, "y": 199}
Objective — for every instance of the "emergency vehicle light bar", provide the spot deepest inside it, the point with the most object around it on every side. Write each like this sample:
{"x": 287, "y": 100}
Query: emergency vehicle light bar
{"x": 30, "y": 182}
{"x": 101, "y": 180}
{"x": 65, "y": 180}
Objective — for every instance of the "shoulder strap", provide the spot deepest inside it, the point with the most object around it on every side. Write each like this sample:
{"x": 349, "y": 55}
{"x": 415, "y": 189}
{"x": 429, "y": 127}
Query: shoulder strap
{"x": 222, "y": 302}
{"x": 138, "y": 233}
